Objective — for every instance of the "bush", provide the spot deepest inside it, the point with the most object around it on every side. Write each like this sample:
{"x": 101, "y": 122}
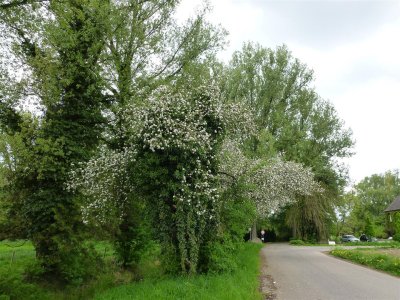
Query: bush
{"x": 222, "y": 255}
{"x": 297, "y": 242}
{"x": 396, "y": 237}
{"x": 237, "y": 214}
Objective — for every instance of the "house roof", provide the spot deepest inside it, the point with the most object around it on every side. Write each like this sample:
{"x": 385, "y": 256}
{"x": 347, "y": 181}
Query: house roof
{"x": 395, "y": 206}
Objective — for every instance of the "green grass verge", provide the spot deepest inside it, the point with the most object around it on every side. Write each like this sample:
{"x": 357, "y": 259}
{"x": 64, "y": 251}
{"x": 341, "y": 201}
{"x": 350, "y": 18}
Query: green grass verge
{"x": 113, "y": 283}
{"x": 379, "y": 244}
{"x": 14, "y": 257}
{"x": 303, "y": 243}
{"x": 242, "y": 283}
{"x": 385, "y": 244}
{"x": 372, "y": 258}
{"x": 17, "y": 256}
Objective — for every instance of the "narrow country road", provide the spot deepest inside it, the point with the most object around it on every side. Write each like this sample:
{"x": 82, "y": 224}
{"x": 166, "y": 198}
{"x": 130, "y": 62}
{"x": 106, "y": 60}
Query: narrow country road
{"x": 306, "y": 273}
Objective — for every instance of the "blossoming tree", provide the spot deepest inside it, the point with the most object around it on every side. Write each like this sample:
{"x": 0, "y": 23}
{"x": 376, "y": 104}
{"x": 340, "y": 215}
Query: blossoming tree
{"x": 271, "y": 183}
{"x": 171, "y": 165}
{"x": 184, "y": 149}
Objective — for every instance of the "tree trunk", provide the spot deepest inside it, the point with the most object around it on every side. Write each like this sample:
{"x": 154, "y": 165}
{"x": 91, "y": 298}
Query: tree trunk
{"x": 254, "y": 237}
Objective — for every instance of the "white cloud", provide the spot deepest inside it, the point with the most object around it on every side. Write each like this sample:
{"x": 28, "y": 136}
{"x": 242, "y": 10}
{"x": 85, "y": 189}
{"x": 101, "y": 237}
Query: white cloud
{"x": 362, "y": 80}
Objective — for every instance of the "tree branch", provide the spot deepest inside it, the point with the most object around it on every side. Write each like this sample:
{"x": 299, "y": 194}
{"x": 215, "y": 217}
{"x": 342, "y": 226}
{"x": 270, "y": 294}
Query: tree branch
{"x": 14, "y": 4}
{"x": 229, "y": 175}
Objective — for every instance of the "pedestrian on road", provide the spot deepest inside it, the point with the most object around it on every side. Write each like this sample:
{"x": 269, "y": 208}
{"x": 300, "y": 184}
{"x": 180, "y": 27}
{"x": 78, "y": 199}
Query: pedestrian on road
{"x": 263, "y": 236}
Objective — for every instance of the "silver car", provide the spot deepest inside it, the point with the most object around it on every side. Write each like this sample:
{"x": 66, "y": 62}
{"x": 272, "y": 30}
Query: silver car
{"x": 349, "y": 238}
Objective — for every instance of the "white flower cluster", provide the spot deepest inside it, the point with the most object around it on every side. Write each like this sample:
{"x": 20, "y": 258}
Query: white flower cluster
{"x": 198, "y": 191}
{"x": 187, "y": 123}
{"x": 179, "y": 121}
{"x": 104, "y": 181}
{"x": 271, "y": 184}
{"x": 279, "y": 182}
{"x": 239, "y": 121}
{"x": 170, "y": 122}
{"x": 233, "y": 163}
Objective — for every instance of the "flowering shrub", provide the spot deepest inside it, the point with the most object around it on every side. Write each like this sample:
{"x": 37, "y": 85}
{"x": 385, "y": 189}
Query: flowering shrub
{"x": 171, "y": 163}
{"x": 104, "y": 181}
{"x": 176, "y": 166}
{"x": 271, "y": 184}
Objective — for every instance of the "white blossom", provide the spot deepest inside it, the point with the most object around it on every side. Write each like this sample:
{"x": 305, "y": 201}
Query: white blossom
{"x": 104, "y": 181}
{"x": 271, "y": 184}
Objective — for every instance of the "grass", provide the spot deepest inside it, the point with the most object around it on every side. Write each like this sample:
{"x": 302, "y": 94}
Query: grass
{"x": 379, "y": 244}
{"x": 14, "y": 257}
{"x": 17, "y": 256}
{"x": 359, "y": 244}
{"x": 113, "y": 283}
{"x": 376, "y": 258}
{"x": 304, "y": 243}
{"x": 241, "y": 284}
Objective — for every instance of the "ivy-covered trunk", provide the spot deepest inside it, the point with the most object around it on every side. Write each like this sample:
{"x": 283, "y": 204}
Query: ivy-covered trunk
{"x": 175, "y": 169}
{"x": 63, "y": 58}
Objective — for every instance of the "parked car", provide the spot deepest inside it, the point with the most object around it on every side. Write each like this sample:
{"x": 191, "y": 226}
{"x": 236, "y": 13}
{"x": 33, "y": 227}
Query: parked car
{"x": 349, "y": 238}
{"x": 366, "y": 238}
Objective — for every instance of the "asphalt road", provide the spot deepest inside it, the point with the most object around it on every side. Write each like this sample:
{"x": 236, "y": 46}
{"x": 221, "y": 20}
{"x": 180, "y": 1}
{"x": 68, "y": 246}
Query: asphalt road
{"x": 308, "y": 273}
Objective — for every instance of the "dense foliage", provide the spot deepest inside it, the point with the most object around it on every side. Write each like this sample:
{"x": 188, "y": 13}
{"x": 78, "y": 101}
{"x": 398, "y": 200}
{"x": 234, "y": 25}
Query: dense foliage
{"x": 362, "y": 209}
{"x": 139, "y": 135}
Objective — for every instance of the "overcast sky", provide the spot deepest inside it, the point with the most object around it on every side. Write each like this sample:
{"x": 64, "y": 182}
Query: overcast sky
{"x": 353, "y": 48}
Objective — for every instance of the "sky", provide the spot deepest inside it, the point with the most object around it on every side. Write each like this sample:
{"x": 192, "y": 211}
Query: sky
{"x": 353, "y": 48}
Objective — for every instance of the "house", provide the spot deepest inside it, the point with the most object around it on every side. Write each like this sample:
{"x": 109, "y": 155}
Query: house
{"x": 393, "y": 208}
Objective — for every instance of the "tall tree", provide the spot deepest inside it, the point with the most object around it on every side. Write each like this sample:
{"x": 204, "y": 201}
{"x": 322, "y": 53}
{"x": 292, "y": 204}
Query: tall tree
{"x": 373, "y": 194}
{"x": 89, "y": 60}
{"x": 59, "y": 43}
{"x": 146, "y": 48}
{"x": 291, "y": 119}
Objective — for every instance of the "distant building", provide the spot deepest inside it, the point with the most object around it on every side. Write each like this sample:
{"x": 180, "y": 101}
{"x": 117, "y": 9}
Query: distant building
{"x": 393, "y": 208}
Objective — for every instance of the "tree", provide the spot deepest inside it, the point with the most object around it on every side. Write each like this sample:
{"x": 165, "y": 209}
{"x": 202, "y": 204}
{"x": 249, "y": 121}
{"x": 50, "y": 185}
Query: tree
{"x": 374, "y": 193}
{"x": 343, "y": 209}
{"x": 59, "y": 44}
{"x": 85, "y": 61}
{"x": 136, "y": 42}
{"x": 271, "y": 184}
{"x": 174, "y": 141}
{"x": 291, "y": 119}
{"x": 145, "y": 49}
{"x": 309, "y": 217}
